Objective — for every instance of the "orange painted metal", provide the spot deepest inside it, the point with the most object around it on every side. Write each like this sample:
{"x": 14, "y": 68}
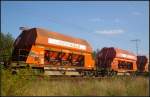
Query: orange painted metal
{"x": 147, "y": 67}
{"x": 113, "y": 58}
{"x": 89, "y": 62}
{"x": 36, "y": 40}
{"x": 42, "y": 36}
{"x": 36, "y": 55}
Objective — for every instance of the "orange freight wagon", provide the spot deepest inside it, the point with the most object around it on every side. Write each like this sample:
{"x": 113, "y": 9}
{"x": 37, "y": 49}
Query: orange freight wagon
{"x": 40, "y": 48}
{"x": 117, "y": 60}
{"x": 142, "y": 63}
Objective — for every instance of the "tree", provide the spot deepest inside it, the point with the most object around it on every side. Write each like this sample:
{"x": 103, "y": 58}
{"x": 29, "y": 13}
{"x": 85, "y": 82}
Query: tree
{"x": 94, "y": 53}
{"x": 6, "y": 46}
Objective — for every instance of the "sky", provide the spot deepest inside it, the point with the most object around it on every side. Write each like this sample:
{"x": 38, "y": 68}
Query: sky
{"x": 101, "y": 23}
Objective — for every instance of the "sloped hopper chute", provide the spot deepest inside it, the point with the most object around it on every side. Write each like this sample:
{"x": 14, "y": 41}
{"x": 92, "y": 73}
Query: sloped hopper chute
{"x": 23, "y": 44}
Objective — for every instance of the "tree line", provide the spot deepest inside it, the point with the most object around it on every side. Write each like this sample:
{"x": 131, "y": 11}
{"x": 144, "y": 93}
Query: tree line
{"x": 6, "y": 46}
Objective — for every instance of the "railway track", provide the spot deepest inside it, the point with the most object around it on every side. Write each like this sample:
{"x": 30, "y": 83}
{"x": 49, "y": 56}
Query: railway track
{"x": 59, "y": 78}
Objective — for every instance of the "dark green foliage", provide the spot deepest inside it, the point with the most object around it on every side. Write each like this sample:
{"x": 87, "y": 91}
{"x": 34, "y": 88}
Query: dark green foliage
{"x": 6, "y": 46}
{"x": 94, "y": 53}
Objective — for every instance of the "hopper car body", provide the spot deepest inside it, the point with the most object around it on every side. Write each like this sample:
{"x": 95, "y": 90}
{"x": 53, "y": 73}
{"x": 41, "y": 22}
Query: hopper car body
{"x": 47, "y": 49}
{"x": 142, "y": 64}
{"x": 116, "y": 60}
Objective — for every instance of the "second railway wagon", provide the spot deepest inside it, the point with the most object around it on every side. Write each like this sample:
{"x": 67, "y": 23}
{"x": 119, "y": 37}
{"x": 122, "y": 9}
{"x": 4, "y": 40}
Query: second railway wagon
{"x": 52, "y": 51}
{"x": 115, "y": 60}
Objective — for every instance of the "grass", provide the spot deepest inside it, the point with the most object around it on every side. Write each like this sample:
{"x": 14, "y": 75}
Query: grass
{"x": 18, "y": 85}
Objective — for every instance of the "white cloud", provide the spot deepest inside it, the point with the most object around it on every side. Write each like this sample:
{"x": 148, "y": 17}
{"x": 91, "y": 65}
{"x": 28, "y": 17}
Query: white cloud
{"x": 136, "y": 13}
{"x": 110, "y": 32}
{"x": 96, "y": 20}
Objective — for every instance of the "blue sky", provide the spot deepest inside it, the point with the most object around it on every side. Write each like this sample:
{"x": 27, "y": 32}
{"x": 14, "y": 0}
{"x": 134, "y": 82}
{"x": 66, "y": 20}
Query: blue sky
{"x": 102, "y": 24}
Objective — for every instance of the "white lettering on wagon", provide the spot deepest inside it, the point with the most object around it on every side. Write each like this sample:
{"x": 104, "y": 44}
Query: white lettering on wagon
{"x": 66, "y": 43}
{"x": 127, "y": 56}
